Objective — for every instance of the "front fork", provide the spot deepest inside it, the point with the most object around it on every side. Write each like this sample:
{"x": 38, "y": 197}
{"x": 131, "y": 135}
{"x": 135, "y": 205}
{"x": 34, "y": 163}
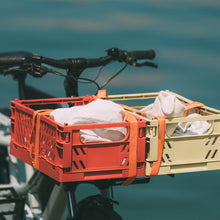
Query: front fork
{"x": 71, "y": 82}
{"x": 70, "y": 189}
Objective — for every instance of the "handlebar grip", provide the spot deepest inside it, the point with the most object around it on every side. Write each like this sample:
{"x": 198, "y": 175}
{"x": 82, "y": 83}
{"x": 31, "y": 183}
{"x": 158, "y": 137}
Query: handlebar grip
{"x": 11, "y": 61}
{"x": 143, "y": 54}
{"x": 16, "y": 58}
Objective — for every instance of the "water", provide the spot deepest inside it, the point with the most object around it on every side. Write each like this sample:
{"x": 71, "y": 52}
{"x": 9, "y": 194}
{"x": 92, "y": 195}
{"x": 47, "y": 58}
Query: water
{"x": 186, "y": 37}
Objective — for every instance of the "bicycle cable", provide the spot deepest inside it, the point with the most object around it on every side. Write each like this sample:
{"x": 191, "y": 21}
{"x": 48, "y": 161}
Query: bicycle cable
{"x": 67, "y": 76}
{"x": 97, "y": 76}
{"x": 87, "y": 79}
{"x": 111, "y": 78}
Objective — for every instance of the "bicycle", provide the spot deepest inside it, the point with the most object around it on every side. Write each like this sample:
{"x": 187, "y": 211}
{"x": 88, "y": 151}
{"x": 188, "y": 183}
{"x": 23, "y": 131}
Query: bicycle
{"x": 19, "y": 65}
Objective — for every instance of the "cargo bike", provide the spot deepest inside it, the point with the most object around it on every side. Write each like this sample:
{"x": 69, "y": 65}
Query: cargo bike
{"x": 62, "y": 161}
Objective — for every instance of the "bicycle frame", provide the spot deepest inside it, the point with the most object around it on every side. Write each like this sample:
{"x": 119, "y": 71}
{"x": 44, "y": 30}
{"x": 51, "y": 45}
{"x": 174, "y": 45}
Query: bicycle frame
{"x": 57, "y": 200}
{"x": 59, "y": 195}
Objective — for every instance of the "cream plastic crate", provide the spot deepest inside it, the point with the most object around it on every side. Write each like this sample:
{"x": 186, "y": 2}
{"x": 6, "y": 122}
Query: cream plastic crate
{"x": 181, "y": 154}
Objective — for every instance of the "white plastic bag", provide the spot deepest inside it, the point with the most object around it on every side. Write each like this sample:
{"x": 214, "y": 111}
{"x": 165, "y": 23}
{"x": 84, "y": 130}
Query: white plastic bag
{"x": 98, "y": 111}
{"x": 192, "y": 127}
{"x": 167, "y": 105}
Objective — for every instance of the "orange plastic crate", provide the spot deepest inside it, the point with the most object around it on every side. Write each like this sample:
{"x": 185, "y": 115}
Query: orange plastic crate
{"x": 62, "y": 155}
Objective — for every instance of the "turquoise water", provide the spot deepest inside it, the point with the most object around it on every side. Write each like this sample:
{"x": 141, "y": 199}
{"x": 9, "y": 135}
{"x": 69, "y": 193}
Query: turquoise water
{"x": 186, "y": 37}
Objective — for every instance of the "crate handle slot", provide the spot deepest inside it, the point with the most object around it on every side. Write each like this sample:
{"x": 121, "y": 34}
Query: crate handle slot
{"x": 192, "y": 105}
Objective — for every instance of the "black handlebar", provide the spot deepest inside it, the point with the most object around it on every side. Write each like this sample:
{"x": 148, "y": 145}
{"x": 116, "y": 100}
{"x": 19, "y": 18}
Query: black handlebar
{"x": 22, "y": 63}
{"x": 114, "y": 54}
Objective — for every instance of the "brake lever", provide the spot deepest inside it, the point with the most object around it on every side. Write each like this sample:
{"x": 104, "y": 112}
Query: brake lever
{"x": 121, "y": 56}
{"x": 39, "y": 70}
{"x": 15, "y": 71}
{"x": 35, "y": 71}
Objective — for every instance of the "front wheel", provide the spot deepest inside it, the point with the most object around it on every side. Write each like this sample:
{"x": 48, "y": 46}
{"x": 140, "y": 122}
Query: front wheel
{"x": 97, "y": 207}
